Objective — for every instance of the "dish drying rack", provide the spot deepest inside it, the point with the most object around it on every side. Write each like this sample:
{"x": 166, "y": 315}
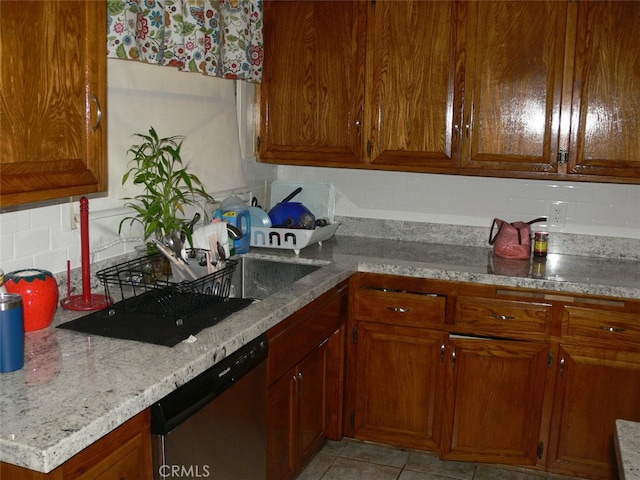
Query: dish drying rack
{"x": 140, "y": 289}
{"x": 291, "y": 238}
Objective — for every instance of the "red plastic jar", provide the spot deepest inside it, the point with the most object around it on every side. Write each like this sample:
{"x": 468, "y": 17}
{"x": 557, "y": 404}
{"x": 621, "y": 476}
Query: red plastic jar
{"x": 39, "y": 292}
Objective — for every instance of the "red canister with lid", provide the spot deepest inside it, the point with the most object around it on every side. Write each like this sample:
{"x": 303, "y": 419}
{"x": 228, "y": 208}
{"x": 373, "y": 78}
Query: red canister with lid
{"x": 39, "y": 292}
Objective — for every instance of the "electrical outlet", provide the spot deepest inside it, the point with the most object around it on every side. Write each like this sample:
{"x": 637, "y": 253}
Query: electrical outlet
{"x": 73, "y": 220}
{"x": 558, "y": 214}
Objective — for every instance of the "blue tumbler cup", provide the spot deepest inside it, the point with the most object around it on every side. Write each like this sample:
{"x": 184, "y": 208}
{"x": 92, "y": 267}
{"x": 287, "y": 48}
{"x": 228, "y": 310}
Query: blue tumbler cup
{"x": 11, "y": 332}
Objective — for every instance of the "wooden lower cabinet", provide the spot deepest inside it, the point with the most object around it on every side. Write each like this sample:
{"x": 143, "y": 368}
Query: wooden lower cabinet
{"x": 398, "y": 385}
{"x": 305, "y": 383}
{"x": 298, "y": 411}
{"x": 484, "y": 373}
{"x": 594, "y": 387}
{"x": 124, "y": 454}
{"x": 494, "y": 399}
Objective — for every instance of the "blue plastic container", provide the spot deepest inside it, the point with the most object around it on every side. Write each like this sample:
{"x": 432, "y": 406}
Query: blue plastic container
{"x": 236, "y": 212}
{"x": 11, "y": 332}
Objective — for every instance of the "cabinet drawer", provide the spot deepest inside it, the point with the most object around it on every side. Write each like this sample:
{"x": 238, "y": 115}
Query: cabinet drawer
{"x": 615, "y": 328}
{"x": 400, "y": 308}
{"x": 486, "y": 316}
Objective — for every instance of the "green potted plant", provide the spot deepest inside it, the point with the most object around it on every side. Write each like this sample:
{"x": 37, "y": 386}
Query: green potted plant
{"x": 168, "y": 186}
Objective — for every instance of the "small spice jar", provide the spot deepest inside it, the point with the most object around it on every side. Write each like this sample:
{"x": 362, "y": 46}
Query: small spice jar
{"x": 540, "y": 244}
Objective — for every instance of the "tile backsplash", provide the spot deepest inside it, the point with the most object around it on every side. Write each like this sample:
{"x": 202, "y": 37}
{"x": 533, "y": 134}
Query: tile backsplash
{"x": 611, "y": 210}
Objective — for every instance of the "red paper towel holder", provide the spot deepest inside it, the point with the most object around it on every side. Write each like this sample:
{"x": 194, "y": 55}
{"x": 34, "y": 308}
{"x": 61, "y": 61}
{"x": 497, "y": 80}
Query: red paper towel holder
{"x": 86, "y": 301}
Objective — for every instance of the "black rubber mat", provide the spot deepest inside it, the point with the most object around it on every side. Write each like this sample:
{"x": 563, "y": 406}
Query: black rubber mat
{"x": 143, "y": 326}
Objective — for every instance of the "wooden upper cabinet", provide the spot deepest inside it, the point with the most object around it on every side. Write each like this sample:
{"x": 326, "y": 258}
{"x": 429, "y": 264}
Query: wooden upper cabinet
{"x": 523, "y": 89}
{"x": 52, "y": 85}
{"x": 410, "y": 101}
{"x": 513, "y": 86}
{"x": 605, "y": 114}
{"x": 311, "y": 94}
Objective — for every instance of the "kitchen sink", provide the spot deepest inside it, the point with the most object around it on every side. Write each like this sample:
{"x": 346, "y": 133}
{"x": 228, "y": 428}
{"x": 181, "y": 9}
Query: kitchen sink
{"x": 260, "y": 278}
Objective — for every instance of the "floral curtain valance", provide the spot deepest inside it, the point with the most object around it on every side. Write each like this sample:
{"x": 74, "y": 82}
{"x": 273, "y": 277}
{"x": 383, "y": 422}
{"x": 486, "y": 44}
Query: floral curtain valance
{"x": 221, "y": 38}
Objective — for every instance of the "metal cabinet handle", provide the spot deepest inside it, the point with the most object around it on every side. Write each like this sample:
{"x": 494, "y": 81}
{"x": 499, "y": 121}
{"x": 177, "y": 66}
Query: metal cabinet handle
{"x": 453, "y": 359}
{"x": 442, "y": 352}
{"x": 98, "y": 113}
{"x": 613, "y": 329}
{"x": 300, "y": 385}
{"x": 399, "y": 309}
{"x": 502, "y": 317}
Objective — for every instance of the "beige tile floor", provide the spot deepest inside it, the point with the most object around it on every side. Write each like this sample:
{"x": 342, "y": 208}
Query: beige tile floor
{"x": 352, "y": 459}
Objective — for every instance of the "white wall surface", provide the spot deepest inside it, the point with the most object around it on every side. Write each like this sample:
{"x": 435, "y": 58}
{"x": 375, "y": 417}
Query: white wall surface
{"x": 592, "y": 208}
{"x": 201, "y": 108}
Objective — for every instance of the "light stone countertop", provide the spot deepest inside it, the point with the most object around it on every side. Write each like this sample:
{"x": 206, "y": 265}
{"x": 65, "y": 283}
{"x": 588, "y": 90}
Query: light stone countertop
{"x": 628, "y": 449}
{"x": 76, "y": 388}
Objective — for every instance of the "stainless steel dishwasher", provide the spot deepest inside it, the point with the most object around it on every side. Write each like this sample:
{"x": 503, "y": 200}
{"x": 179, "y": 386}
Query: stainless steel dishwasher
{"x": 214, "y": 426}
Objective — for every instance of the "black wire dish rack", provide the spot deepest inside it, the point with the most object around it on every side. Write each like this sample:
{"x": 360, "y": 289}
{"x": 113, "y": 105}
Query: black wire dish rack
{"x": 139, "y": 288}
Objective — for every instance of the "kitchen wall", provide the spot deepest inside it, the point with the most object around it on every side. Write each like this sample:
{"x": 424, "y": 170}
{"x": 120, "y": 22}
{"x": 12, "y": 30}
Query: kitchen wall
{"x": 45, "y": 237}
{"x": 201, "y": 108}
{"x": 592, "y": 209}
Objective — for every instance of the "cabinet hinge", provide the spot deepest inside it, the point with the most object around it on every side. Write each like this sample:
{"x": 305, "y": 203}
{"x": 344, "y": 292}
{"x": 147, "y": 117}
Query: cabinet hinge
{"x": 373, "y": 3}
{"x": 550, "y": 359}
{"x": 563, "y": 157}
{"x": 369, "y": 148}
{"x": 540, "y": 449}
{"x": 258, "y": 140}
{"x": 352, "y": 418}
{"x": 354, "y": 336}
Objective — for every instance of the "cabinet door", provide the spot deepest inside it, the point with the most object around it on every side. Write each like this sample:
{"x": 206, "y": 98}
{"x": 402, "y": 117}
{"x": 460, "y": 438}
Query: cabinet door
{"x": 52, "y": 84}
{"x": 410, "y": 97}
{"x": 513, "y": 87}
{"x": 312, "y": 87}
{"x": 494, "y": 400}
{"x": 312, "y": 385}
{"x": 281, "y": 425}
{"x": 398, "y": 385}
{"x": 299, "y": 408}
{"x": 605, "y": 117}
{"x": 594, "y": 387}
